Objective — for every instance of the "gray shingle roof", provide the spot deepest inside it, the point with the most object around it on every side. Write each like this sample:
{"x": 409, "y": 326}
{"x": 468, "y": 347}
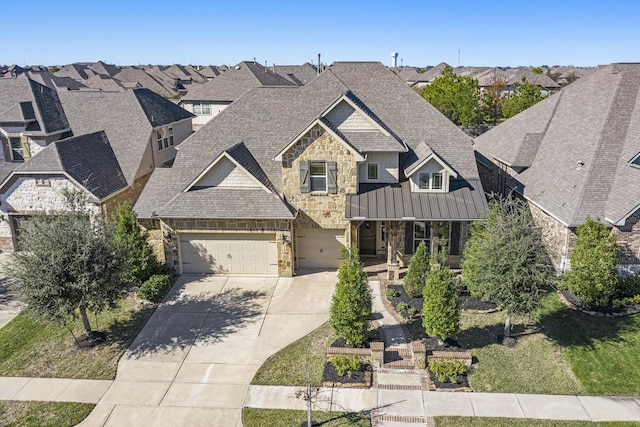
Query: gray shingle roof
{"x": 266, "y": 119}
{"x": 585, "y": 136}
{"x": 298, "y": 74}
{"x": 24, "y": 99}
{"x": 124, "y": 116}
{"x": 137, "y": 75}
{"x": 88, "y": 159}
{"x": 232, "y": 84}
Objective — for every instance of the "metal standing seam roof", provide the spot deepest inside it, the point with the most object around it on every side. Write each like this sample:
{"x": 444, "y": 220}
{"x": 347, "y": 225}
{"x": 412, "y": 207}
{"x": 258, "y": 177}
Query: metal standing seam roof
{"x": 464, "y": 202}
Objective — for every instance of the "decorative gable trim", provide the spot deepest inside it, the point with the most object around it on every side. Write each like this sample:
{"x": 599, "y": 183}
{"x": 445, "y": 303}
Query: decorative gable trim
{"x": 224, "y": 155}
{"x": 432, "y": 156}
{"x": 320, "y": 121}
{"x": 356, "y": 107}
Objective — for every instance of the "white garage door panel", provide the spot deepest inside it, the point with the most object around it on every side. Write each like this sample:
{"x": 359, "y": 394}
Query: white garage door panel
{"x": 229, "y": 253}
{"x": 319, "y": 247}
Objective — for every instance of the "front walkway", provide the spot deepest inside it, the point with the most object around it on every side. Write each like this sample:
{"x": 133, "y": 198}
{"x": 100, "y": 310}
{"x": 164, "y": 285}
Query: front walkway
{"x": 193, "y": 362}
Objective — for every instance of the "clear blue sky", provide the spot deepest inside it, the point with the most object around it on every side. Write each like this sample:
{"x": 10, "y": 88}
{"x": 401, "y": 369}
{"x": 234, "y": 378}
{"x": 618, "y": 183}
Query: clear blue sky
{"x": 491, "y": 33}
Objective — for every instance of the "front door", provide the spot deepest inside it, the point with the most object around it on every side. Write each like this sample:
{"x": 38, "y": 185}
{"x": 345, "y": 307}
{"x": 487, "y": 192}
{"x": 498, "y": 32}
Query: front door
{"x": 368, "y": 238}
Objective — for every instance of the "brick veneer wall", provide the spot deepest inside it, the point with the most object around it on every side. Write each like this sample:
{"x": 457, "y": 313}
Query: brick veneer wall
{"x": 558, "y": 239}
{"x": 131, "y": 193}
{"x": 628, "y": 238}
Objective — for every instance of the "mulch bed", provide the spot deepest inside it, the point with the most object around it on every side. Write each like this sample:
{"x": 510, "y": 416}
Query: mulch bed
{"x": 462, "y": 384}
{"x": 597, "y": 310}
{"x": 360, "y": 378}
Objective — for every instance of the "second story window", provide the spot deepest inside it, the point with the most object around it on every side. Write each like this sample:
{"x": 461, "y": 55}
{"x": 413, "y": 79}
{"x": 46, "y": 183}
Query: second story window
{"x": 430, "y": 181}
{"x": 164, "y": 138}
{"x": 202, "y": 108}
{"x": 170, "y": 134}
{"x": 159, "y": 139}
{"x": 372, "y": 171}
{"x": 318, "y": 174}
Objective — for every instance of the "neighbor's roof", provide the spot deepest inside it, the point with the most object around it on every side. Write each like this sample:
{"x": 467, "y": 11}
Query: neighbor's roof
{"x": 232, "y": 84}
{"x": 578, "y": 145}
{"x": 266, "y": 119}
{"x": 88, "y": 159}
{"x": 22, "y": 100}
{"x": 126, "y": 117}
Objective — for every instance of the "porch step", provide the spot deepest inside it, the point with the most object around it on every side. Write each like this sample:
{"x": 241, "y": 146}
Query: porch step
{"x": 398, "y": 358}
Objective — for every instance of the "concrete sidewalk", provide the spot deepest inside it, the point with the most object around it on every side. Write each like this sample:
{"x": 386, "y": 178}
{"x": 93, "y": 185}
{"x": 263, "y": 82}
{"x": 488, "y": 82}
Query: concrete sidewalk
{"x": 409, "y": 403}
{"x": 53, "y": 389}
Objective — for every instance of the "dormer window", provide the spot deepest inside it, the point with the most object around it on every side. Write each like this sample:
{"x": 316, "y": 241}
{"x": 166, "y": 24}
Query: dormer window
{"x": 430, "y": 180}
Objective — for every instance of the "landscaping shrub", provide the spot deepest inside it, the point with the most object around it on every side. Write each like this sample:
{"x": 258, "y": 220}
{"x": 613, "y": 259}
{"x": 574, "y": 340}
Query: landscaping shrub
{"x": 447, "y": 370}
{"x": 417, "y": 272}
{"x": 440, "y": 313}
{"x": 155, "y": 287}
{"x": 392, "y": 294}
{"x": 402, "y": 307}
{"x": 593, "y": 277}
{"x": 627, "y": 287}
{"x": 345, "y": 364}
{"x": 351, "y": 303}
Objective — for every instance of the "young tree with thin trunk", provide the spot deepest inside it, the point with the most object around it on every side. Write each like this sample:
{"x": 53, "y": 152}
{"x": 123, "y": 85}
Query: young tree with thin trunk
{"x": 441, "y": 312}
{"x": 69, "y": 264}
{"x": 351, "y": 303}
{"x": 493, "y": 98}
{"x": 505, "y": 260}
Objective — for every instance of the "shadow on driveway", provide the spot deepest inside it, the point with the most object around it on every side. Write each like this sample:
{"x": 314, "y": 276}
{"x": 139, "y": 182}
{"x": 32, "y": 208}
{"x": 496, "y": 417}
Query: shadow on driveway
{"x": 190, "y": 319}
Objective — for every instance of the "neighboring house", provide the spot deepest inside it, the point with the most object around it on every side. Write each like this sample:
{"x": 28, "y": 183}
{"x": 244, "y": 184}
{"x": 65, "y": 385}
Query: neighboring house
{"x": 139, "y": 76}
{"x": 546, "y": 84}
{"x": 118, "y": 139}
{"x": 208, "y": 99}
{"x": 31, "y": 117}
{"x": 286, "y": 176}
{"x": 573, "y": 155}
{"x": 297, "y": 74}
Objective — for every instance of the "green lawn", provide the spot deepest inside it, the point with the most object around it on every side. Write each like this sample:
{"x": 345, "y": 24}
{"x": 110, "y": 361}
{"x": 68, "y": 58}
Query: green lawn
{"x": 34, "y": 349}
{"x": 257, "y": 417}
{"x": 520, "y": 422}
{"x": 289, "y": 365}
{"x": 42, "y": 414}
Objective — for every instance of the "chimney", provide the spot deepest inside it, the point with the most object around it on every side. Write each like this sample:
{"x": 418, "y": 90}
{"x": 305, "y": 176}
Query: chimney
{"x": 273, "y": 68}
{"x": 394, "y": 59}
{"x": 265, "y": 66}
{"x": 319, "y": 64}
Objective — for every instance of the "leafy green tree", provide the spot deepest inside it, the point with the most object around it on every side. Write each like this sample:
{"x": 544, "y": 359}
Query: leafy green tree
{"x": 142, "y": 261}
{"x": 593, "y": 277}
{"x": 537, "y": 70}
{"x": 441, "y": 312}
{"x": 524, "y": 96}
{"x": 457, "y": 97}
{"x": 69, "y": 264}
{"x": 493, "y": 98}
{"x": 505, "y": 260}
{"x": 351, "y": 303}
{"x": 417, "y": 272}
{"x": 571, "y": 77}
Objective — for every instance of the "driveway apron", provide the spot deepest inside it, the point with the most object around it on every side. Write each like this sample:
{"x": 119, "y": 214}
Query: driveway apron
{"x": 194, "y": 359}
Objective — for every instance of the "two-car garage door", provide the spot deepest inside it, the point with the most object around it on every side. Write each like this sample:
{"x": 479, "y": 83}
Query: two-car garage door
{"x": 229, "y": 253}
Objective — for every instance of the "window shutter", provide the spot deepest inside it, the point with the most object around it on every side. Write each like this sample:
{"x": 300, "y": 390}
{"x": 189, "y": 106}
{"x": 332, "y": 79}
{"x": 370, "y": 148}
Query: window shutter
{"x": 408, "y": 238}
{"x": 304, "y": 176}
{"x": 332, "y": 177}
{"x": 455, "y": 239}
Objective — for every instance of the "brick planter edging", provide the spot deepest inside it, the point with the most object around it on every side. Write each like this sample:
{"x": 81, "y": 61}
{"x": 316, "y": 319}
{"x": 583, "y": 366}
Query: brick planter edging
{"x": 465, "y": 356}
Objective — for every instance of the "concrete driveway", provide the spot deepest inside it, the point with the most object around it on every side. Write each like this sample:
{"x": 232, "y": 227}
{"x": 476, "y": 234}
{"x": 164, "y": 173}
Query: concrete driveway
{"x": 9, "y": 307}
{"x": 194, "y": 359}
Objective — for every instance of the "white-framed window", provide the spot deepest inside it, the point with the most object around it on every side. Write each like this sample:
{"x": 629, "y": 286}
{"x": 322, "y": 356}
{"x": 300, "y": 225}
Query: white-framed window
{"x": 170, "y": 131}
{"x": 431, "y": 181}
{"x": 372, "y": 171}
{"x": 159, "y": 139}
{"x": 202, "y": 108}
{"x": 318, "y": 175}
{"x": 421, "y": 233}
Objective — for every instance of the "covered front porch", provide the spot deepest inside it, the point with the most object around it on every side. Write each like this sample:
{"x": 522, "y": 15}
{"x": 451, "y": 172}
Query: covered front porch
{"x": 390, "y": 222}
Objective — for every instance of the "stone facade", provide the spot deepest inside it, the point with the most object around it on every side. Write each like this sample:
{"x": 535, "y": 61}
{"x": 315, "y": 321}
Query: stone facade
{"x": 164, "y": 234}
{"x": 131, "y": 193}
{"x": 557, "y": 238}
{"x": 29, "y": 195}
{"x": 319, "y": 209}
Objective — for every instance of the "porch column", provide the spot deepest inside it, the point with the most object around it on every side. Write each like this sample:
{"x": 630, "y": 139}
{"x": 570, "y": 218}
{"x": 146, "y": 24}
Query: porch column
{"x": 393, "y": 267}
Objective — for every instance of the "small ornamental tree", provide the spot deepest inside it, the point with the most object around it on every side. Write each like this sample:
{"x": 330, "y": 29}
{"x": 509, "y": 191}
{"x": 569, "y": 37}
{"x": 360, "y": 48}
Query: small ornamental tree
{"x": 142, "y": 263}
{"x": 593, "y": 277}
{"x": 69, "y": 264}
{"x": 525, "y": 95}
{"x": 441, "y": 312}
{"x": 417, "y": 273}
{"x": 351, "y": 303}
{"x": 505, "y": 260}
